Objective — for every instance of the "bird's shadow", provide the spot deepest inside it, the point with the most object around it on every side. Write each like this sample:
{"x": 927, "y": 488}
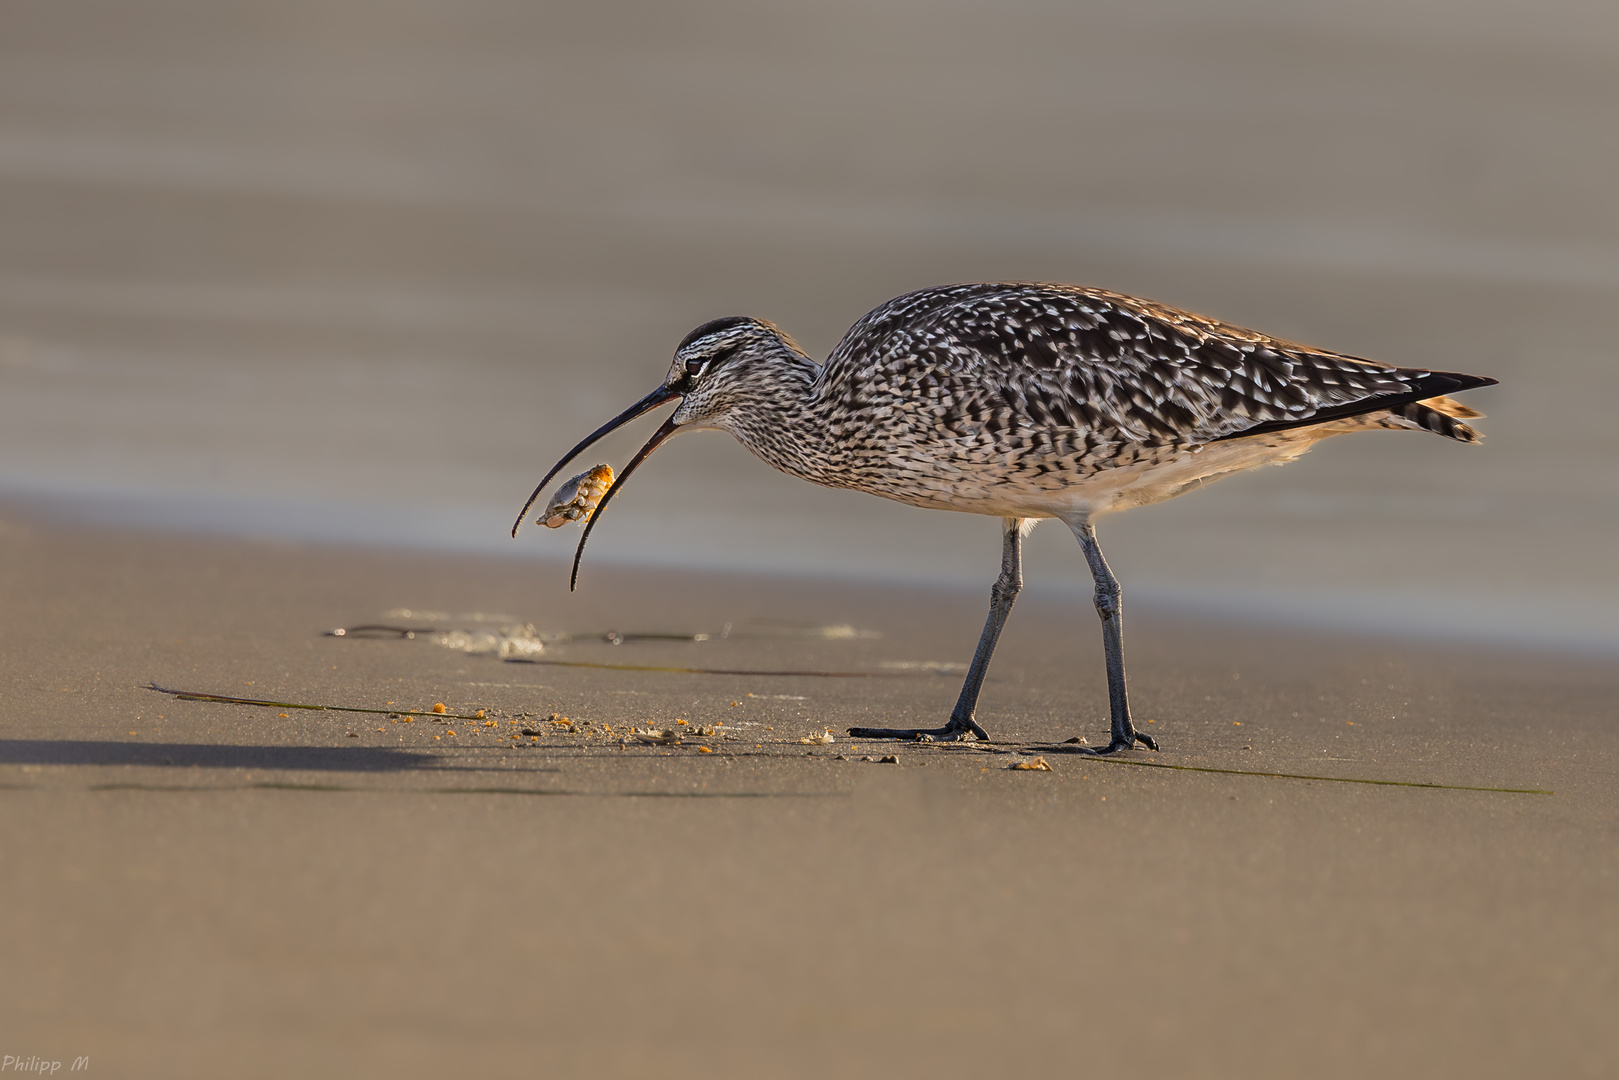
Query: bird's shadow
{"x": 348, "y": 759}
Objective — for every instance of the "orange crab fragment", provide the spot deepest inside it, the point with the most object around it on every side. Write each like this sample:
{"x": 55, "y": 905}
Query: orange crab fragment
{"x": 578, "y": 498}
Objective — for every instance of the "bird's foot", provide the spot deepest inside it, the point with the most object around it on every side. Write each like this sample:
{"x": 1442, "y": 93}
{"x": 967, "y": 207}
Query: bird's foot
{"x": 1120, "y": 743}
{"x": 954, "y": 731}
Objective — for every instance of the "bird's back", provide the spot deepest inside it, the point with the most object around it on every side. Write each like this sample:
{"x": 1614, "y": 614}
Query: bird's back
{"x": 1048, "y": 385}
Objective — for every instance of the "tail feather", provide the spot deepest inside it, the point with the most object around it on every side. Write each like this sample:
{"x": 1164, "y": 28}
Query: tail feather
{"x": 1451, "y": 407}
{"x": 1440, "y": 416}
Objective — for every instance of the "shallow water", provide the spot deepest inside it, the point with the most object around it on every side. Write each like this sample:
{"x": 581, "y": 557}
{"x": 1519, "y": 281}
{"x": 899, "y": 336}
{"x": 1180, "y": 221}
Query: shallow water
{"x": 361, "y": 272}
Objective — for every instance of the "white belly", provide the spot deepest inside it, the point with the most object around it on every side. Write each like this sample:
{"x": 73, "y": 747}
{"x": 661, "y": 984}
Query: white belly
{"x": 985, "y": 490}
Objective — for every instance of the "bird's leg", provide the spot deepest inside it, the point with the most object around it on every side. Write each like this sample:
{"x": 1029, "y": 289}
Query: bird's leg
{"x": 1108, "y": 606}
{"x": 1001, "y": 597}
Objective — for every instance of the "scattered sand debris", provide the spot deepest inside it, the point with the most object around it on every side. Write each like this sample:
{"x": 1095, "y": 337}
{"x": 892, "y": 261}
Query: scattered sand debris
{"x": 486, "y": 723}
{"x": 705, "y": 730}
{"x": 578, "y": 498}
{"x": 353, "y": 734}
{"x": 666, "y": 737}
{"x": 936, "y": 667}
{"x": 1078, "y": 740}
{"x": 438, "y": 707}
{"x": 887, "y": 759}
{"x": 825, "y": 738}
{"x": 1033, "y": 765}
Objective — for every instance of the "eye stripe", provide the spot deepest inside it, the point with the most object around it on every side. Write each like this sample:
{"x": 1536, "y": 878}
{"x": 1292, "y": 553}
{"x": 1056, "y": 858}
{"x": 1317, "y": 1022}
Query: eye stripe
{"x": 699, "y": 365}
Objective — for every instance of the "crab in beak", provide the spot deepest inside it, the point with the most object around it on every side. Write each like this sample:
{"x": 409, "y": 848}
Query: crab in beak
{"x": 660, "y": 396}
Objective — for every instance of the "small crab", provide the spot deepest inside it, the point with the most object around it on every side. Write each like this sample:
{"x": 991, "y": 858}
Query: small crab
{"x": 578, "y": 498}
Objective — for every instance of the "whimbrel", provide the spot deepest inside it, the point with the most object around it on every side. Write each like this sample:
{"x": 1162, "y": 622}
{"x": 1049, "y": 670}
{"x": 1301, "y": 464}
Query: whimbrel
{"x": 1028, "y": 401}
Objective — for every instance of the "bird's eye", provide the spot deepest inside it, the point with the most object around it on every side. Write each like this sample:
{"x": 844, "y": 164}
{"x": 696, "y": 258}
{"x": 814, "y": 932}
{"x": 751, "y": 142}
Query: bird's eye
{"x": 698, "y": 365}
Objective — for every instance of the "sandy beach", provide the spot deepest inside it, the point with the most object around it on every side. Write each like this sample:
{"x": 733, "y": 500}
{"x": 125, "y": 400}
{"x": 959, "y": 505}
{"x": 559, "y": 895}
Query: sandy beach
{"x": 204, "y": 889}
{"x": 298, "y": 300}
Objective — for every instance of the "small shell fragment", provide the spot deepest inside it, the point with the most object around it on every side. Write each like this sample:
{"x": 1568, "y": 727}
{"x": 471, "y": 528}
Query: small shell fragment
{"x": 825, "y": 738}
{"x": 1033, "y": 765}
{"x": 666, "y": 737}
{"x": 578, "y": 498}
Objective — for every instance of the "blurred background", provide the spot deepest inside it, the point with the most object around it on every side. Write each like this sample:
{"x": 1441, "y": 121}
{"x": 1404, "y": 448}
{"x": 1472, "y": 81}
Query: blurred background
{"x": 361, "y": 271}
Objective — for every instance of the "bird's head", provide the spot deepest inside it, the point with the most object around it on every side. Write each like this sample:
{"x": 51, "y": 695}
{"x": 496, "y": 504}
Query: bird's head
{"x": 718, "y": 368}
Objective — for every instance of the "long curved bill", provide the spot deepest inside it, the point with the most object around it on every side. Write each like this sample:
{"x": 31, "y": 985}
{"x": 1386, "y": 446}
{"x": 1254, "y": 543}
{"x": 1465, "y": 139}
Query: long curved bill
{"x": 645, "y": 405}
{"x": 659, "y": 437}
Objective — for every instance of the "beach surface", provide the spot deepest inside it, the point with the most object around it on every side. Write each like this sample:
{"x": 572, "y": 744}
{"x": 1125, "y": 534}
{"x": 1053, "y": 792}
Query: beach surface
{"x": 197, "y": 888}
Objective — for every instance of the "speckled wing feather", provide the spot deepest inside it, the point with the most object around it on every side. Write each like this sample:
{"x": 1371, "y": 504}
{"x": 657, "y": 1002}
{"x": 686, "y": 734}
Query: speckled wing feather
{"x": 1119, "y": 369}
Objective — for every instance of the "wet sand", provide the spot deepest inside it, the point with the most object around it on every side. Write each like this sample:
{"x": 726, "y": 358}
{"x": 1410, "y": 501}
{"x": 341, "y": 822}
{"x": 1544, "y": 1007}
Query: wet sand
{"x": 201, "y": 889}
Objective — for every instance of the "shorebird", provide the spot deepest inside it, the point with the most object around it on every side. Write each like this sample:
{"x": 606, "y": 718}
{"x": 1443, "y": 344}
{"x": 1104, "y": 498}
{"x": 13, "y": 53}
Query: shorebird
{"x": 1027, "y": 401}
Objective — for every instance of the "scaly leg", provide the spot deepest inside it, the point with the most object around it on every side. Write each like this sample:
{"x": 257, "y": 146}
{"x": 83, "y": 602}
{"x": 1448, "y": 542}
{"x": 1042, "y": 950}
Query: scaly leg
{"x": 1111, "y": 611}
{"x": 1001, "y": 597}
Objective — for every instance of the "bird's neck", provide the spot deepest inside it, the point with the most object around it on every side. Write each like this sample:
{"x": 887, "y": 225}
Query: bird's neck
{"x": 775, "y": 420}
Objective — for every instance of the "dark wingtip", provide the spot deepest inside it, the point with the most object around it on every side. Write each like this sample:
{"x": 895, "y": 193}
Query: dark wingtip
{"x": 1425, "y": 385}
{"x": 1455, "y": 382}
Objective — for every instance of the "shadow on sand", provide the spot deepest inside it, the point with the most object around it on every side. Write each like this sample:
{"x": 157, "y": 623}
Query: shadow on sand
{"x": 352, "y": 759}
